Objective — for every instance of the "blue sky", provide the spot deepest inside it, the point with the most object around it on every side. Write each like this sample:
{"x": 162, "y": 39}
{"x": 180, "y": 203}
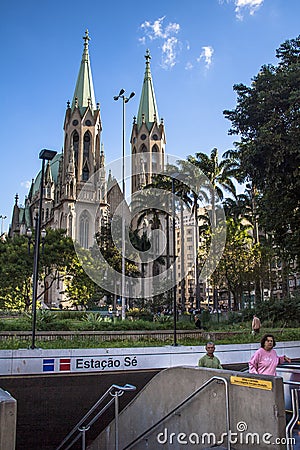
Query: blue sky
{"x": 199, "y": 49}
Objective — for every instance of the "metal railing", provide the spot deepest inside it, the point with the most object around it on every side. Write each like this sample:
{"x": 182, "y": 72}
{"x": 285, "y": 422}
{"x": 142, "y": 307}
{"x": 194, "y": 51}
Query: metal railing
{"x": 161, "y": 335}
{"x": 81, "y": 428}
{"x": 183, "y": 403}
{"x": 295, "y": 414}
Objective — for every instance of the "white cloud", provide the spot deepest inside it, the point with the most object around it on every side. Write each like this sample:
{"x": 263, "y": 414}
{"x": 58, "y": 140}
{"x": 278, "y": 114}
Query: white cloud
{"x": 26, "y": 184}
{"x": 189, "y": 66}
{"x": 251, "y": 5}
{"x": 206, "y": 54}
{"x": 243, "y": 5}
{"x": 157, "y": 30}
{"x": 170, "y": 45}
{"x": 169, "y": 53}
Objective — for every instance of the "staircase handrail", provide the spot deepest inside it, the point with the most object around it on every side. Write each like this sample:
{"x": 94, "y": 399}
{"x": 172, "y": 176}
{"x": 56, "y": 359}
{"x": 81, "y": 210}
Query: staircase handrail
{"x": 182, "y": 403}
{"x": 115, "y": 391}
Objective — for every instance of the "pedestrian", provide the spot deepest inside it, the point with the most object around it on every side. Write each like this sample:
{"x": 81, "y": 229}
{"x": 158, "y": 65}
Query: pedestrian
{"x": 197, "y": 321}
{"x": 210, "y": 360}
{"x": 265, "y": 359}
{"x": 256, "y": 324}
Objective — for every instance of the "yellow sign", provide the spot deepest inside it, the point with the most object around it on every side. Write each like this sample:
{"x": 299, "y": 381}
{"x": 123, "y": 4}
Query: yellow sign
{"x": 251, "y": 382}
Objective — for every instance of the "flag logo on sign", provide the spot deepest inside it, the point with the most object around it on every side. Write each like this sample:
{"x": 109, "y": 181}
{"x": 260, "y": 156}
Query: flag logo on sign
{"x": 48, "y": 365}
{"x": 64, "y": 364}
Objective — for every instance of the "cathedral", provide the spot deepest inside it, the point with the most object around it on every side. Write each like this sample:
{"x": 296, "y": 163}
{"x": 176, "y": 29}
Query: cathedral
{"x": 82, "y": 165}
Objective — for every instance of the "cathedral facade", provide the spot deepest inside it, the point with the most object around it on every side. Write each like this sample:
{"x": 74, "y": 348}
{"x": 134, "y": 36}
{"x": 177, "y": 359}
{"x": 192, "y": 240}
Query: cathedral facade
{"x": 82, "y": 165}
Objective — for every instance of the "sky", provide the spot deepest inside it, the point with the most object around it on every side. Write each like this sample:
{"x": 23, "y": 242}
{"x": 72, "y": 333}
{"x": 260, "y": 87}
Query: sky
{"x": 199, "y": 50}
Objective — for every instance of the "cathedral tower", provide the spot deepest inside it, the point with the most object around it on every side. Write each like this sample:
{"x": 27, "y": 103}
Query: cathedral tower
{"x": 82, "y": 159}
{"x": 148, "y": 136}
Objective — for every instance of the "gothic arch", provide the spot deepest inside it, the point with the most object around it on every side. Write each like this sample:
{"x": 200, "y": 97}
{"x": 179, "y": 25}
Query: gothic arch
{"x": 85, "y": 172}
{"x": 84, "y": 225}
{"x": 70, "y": 225}
{"x": 155, "y": 158}
{"x": 143, "y": 148}
{"x": 62, "y": 222}
{"x": 75, "y": 144}
{"x": 87, "y": 139}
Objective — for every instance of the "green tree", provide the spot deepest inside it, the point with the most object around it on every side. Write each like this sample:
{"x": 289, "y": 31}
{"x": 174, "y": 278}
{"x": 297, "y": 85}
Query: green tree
{"x": 58, "y": 260}
{"x": 220, "y": 175}
{"x": 267, "y": 119}
{"x": 236, "y": 267}
{"x": 15, "y": 273}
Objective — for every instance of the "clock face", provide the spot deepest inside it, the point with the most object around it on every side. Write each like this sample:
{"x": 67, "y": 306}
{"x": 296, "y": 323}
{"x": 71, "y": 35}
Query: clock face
{"x": 143, "y": 137}
{"x": 88, "y": 123}
{"x": 75, "y": 122}
{"x": 155, "y": 137}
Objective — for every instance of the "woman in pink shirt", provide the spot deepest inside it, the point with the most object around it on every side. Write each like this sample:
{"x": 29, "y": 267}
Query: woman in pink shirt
{"x": 265, "y": 360}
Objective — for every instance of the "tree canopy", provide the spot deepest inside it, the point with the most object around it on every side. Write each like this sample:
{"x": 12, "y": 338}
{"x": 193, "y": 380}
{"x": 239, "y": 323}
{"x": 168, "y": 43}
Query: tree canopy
{"x": 267, "y": 119}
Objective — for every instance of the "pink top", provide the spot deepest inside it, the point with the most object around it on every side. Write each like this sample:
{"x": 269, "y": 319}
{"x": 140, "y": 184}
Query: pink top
{"x": 265, "y": 362}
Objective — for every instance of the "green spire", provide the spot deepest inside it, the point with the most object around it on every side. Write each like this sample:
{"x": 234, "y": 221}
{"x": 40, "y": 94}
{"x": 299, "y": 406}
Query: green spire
{"x": 84, "y": 90}
{"x": 147, "y": 110}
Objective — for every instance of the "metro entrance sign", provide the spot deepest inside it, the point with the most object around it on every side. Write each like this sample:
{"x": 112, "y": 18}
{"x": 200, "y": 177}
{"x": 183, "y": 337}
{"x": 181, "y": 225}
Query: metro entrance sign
{"x": 40, "y": 361}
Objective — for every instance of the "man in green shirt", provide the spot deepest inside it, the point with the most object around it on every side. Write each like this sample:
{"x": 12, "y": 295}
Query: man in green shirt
{"x": 209, "y": 360}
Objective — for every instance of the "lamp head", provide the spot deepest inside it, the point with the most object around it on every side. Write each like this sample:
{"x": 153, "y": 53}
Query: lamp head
{"x": 47, "y": 154}
{"x": 116, "y": 97}
{"x": 130, "y": 96}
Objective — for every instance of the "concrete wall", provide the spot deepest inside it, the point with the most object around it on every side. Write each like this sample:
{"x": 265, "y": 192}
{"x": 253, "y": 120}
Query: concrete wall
{"x": 255, "y": 412}
{"x": 8, "y": 421}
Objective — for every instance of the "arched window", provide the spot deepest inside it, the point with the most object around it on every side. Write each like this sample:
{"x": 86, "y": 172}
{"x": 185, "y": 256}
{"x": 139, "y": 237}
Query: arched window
{"x": 155, "y": 157}
{"x": 144, "y": 158}
{"x": 86, "y": 144}
{"x": 84, "y": 230}
{"x": 75, "y": 142}
{"x": 85, "y": 172}
{"x": 70, "y": 225}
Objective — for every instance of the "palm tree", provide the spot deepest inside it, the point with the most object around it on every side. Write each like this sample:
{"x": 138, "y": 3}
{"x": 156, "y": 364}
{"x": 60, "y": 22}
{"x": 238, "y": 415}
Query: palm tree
{"x": 219, "y": 178}
{"x": 218, "y": 173}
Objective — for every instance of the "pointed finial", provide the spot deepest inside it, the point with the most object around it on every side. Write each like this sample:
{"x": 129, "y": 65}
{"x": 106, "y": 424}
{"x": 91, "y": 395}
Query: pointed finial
{"x": 98, "y": 105}
{"x": 86, "y": 39}
{"x": 68, "y": 104}
{"x": 147, "y": 70}
{"x": 16, "y": 199}
{"x": 134, "y": 120}
{"x": 102, "y": 148}
{"x": 148, "y": 56}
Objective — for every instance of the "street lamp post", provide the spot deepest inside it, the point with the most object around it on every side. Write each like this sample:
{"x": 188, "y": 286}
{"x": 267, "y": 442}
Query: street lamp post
{"x": 179, "y": 177}
{"x": 174, "y": 265}
{"x": 125, "y": 100}
{"x": 45, "y": 155}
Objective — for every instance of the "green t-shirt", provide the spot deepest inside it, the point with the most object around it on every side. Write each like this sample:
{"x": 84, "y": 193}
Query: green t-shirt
{"x": 210, "y": 363}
